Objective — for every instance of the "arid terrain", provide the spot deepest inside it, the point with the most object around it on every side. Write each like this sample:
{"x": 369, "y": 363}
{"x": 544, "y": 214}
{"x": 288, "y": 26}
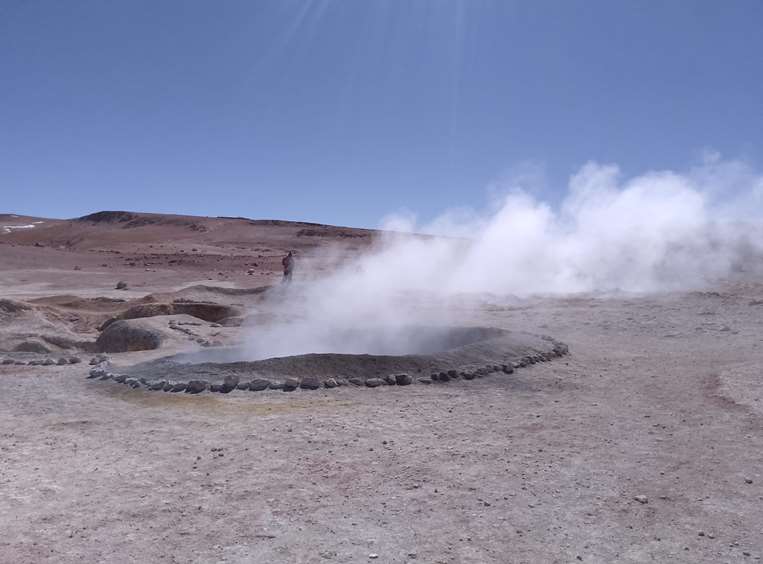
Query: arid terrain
{"x": 643, "y": 444}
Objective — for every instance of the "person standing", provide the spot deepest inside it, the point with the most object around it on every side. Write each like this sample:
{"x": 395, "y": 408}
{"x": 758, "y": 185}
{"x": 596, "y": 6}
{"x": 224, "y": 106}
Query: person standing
{"x": 288, "y": 266}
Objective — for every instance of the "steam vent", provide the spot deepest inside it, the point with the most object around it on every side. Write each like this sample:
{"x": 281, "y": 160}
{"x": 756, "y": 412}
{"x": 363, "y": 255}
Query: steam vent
{"x": 439, "y": 356}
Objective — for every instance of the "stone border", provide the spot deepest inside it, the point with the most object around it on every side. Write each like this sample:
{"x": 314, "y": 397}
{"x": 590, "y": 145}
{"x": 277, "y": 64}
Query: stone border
{"x": 290, "y": 384}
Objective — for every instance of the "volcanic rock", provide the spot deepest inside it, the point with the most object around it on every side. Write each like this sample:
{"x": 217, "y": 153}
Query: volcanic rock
{"x": 243, "y": 386}
{"x": 156, "y": 384}
{"x": 330, "y": 383}
{"x": 310, "y": 383}
{"x": 403, "y": 379}
{"x": 168, "y": 386}
{"x": 277, "y": 385}
{"x": 62, "y": 362}
{"x": 374, "y": 382}
{"x": 215, "y": 387}
{"x": 390, "y": 379}
{"x": 229, "y": 384}
{"x": 196, "y": 386}
{"x": 133, "y": 382}
{"x": 357, "y": 381}
{"x": 467, "y": 375}
{"x": 48, "y": 362}
{"x": 290, "y": 384}
{"x": 179, "y": 387}
{"x": 507, "y": 368}
{"x": 121, "y": 285}
{"x": 259, "y": 384}
{"x": 129, "y": 335}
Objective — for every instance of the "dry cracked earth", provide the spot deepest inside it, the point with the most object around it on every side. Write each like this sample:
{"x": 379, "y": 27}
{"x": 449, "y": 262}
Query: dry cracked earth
{"x": 644, "y": 444}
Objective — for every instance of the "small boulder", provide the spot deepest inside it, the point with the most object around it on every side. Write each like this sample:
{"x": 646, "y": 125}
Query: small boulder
{"x": 390, "y": 379}
{"x": 310, "y": 383}
{"x": 121, "y": 285}
{"x": 107, "y": 376}
{"x": 96, "y": 373}
{"x": 119, "y": 378}
{"x": 168, "y": 386}
{"x": 48, "y": 362}
{"x": 507, "y": 368}
{"x": 196, "y": 386}
{"x": 467, "y": 375}
{"x": 259, "y": 384}
{"x": 425, "y": 380}
{"x": 277, "y": 385}
{"x": 133, "y": 382}
{"x": 229, "y": 384}
{"x": 98, "y": 359}
{"x": 62, "y": 362}
{"x": 403, "y": 379}
{"x": 357, "y": 381}
{"x": 243, "y": 386}
{"x": 179, "y": 387}
{"x": 330, "y": 383}
{"x": 74, "y": 360}
{"x": 7, "y": 361}
{"x": 290, "y": 384}
{"x": 215, "y": 387}
{"x": 156, "y": 385}
{"x": 444, "y": 377}
{"x": 374, "y": 382}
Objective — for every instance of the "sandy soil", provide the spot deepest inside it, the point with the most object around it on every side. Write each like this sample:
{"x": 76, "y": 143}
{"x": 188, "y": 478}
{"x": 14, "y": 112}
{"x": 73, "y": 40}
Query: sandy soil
{"x": 660, "y": 397}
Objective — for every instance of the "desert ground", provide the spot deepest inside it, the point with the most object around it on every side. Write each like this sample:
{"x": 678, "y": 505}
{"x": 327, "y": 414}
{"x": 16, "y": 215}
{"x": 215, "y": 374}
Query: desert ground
{"x": 643, "y": 444}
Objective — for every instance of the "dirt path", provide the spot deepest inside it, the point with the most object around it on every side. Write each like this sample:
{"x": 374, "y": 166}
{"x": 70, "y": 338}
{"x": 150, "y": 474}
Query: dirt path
{"x": 657, "y": 399}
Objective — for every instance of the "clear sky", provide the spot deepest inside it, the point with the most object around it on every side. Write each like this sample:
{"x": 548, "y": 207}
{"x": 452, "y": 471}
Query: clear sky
{"x": 342, "y": 111}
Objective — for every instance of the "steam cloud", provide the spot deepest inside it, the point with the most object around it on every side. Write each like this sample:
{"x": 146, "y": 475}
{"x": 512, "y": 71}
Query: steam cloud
{"x": 658, "y": 231}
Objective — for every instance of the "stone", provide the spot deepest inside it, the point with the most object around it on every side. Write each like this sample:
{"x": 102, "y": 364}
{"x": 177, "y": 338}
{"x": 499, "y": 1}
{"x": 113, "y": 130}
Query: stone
{"x": 452, "y": 374}
{"x": 133, "y": 382}
{"x": 98, "y": 359}
{"x": 403, "y": 379}
{"x": 330, "y": 383}
{"x": 196, "y": 386}
{"x": 229, "y": 384}
{"x": 179, "y": 387}
{"x": 96, "y": 373}
{"x": 467, "y": 375}
{"x": 277, "y": 385}
{"x": 425, "y": 380}
{"x": 215, "y": 387}
{"x": 390, "y": 380}
{"x": 62, "y": 361}
{"x": 259, "y": 384}
{"x": 374, "y": 382}
{"x": 168, "y": 386}
{"x": 290, "y": 384}
{"x": 7, "y": 361}
{"x": 444, "y": 377}
{"x": 35, "y": 363}
{"x": 243, "y": 386}
{"x": 357, "y": 381}
{"x": 507, "y": 368}
{"x": 129, "y": 335}
{"x": 107, "y": 376}
{"x": 310, "y": 383}
{"x": 48, "y": 362}
{"x": 119, "y": 378}
{"x": 121, "y": 285}
{"x": 156, "y": 385}
{"x": 641, "y": 499}
{"x": 342, "y": 382}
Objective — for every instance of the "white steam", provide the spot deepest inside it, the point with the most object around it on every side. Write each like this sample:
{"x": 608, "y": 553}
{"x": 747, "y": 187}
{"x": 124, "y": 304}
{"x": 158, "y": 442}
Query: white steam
{"x": 659, "y": 231}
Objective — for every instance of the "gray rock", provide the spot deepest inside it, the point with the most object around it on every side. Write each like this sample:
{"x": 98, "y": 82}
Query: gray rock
{"x": 107, "y": 376}
{"x": 641, "y": 499}
{"x": 7, "y": 361}
{"x": 196, "y": 386}
{"x": 48, "y": 362}
{"x": 452, "y": 374}
{"x": 156, "y": 385}
{"x": 277, "y": 385}
{"x": 507, "y": 368}
{"x": 390, "y": 380}
{"x": 74, "y": 360}
{"x": 35, "y": 363}
{"x": 215, "y": 387}
{"x": 403, "y": 379}
{"x": 468, "y": 375}
{"x": 243, "y": 386}
{"x": 62, "y": 362}
{"x": 310, "y": 383}
{"x": 444, "y": 377}
{"x": 425, "y": 380}
{"x": 168, "y": 386}
{"x": 127, "y": 335}
{"x": 179, "y": 387}
{"x": 96, "y": 373}
{"x": 121, "y": 285}
{"x": 330, "y": 383}
{"x": 290, "y": 384}
{"x": 259, "y": 384}
{"x": 229, "y": 384}
{"x": 119, "y": 378}
{"x": 133, "y": 382}
{"x": 97, "y": 359}
{"x": 341, "y": 382}
{"x": 374, "y": 382}
{"x": 357, "y": 381}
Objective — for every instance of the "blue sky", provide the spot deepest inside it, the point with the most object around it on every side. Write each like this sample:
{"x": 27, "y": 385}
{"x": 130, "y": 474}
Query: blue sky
{"x": 342, "y": 111}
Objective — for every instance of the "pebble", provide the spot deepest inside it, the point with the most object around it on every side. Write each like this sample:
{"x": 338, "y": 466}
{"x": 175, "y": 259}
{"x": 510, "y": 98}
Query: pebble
{"x": 641, "y": 499}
